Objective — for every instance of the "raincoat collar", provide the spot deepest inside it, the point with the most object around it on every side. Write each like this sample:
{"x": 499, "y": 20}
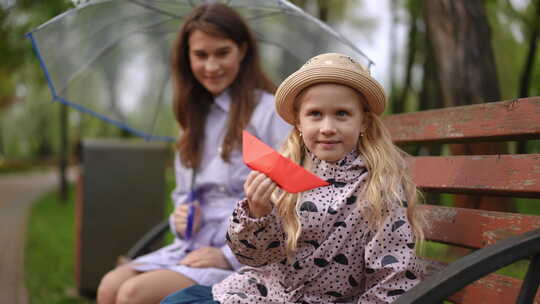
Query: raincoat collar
{"x": 345, "y": 170}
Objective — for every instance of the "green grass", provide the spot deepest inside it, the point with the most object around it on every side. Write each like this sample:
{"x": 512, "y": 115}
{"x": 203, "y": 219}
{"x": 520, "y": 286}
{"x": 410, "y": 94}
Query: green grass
{"x": 528, "y": 206}
{"x": 49, "y": 260}
{"x": 448, "y": 254}
{"x": 50, "y": 249}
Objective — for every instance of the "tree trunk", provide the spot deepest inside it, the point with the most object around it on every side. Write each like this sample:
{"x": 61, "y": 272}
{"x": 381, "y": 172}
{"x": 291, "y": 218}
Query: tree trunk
{"x": 399, "y": 106}
{"x": 64, "y": 153}
{"x": 466, "y": 72}
{"x": 430, "y": 95}
{"x": 324, "y": 10}
{"x": 44, "y": 148}
{"x": 2, "y": 148}
{"x": 393, "y": 55}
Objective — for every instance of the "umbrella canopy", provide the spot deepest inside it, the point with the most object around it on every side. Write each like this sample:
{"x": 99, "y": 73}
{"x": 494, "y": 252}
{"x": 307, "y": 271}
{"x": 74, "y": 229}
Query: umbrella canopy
{"x": 111, "y": 58}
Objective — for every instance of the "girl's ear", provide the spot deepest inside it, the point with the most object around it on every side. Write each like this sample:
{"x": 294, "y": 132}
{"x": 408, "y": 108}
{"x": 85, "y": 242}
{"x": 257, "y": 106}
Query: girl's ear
{"x": 297, "y": 121}
{"x": 364, "y": 126}
{"x": 297, "y": 127}
{"x": 366, "y": 121}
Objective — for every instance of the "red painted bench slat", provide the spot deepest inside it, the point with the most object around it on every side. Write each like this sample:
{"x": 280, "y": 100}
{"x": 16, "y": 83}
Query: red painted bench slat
{"x": 491, "y": 175}
{"x": 494, "y": 121}
{"x": 492, "y": 289}
{"x": 473, "y": 228}
{"x": 510, "y": 175}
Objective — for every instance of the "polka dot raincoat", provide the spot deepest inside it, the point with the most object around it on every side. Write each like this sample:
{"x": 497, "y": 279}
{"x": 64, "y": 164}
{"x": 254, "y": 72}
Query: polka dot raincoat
{"x": 339, "y": 259}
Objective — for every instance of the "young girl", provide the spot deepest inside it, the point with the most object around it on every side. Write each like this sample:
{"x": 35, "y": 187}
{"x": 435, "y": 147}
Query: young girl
{"x": 350, "y": 242}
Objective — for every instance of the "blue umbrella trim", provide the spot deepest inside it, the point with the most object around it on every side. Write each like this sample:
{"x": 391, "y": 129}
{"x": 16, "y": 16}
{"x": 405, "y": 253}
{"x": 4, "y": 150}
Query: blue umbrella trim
{"x": 146, "y": 136}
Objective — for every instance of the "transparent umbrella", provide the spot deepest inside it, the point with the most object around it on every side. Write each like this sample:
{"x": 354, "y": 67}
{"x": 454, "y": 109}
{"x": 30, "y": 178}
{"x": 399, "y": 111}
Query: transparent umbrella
{"x": 110, "y": 58}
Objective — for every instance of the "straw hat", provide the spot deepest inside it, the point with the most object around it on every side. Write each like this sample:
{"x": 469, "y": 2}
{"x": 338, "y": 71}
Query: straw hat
{"x": 329, "y": 68}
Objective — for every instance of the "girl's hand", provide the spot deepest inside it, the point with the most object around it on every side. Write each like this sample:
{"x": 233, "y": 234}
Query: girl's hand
{"x": 258, "y": 188}
{"x": 206, "y": 257}
{"x": 180, "y": 218}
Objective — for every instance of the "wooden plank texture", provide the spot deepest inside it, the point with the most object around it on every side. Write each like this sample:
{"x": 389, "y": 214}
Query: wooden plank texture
{"x": 494, "y": 121}
{"x": 491, "y": 289}
{"x": 473, "y": 228}
{"x": 509, "y": 175}
{"x": 493, "y": 175}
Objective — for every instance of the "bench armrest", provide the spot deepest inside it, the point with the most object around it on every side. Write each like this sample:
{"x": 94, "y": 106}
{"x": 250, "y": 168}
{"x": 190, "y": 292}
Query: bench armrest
{"x": 143, "y": 244}
{"x": 484, "y": 261}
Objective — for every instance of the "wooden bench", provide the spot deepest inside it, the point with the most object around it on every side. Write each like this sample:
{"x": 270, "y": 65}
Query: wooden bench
{"x": 496, "y": 238}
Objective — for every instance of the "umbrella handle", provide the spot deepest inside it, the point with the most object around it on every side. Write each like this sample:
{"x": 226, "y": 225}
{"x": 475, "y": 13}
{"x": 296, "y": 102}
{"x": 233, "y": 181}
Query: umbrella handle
{"x": 189, "y": 225}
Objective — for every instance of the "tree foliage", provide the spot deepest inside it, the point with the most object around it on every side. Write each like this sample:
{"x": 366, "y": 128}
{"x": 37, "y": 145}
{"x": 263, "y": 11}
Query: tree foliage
{"x": 24, "y": 123}
{"x": 29, "y": 120}
{"x": 29, "y": 123}
{"x": 15, "y": 50}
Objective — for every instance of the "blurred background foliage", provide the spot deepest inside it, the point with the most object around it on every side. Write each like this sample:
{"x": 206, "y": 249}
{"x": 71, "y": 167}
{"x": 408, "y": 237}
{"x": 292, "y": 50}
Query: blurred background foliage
{"x": 30, "y": 125}
{"x": 29, "y": 122}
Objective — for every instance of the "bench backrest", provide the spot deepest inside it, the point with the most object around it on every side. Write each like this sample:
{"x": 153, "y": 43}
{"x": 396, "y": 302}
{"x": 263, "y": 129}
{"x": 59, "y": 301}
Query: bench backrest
{"x": 510, "y": 175}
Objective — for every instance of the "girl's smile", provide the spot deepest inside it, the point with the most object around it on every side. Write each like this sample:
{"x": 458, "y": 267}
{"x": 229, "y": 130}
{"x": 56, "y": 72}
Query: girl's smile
{"x": 328, "y": 144}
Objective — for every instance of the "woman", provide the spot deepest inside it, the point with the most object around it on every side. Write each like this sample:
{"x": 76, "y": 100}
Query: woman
{"x": 220, "y": 90}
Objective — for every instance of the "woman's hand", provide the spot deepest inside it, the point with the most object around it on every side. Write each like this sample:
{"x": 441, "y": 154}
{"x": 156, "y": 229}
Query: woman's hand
{"x": 180, "y": 218}
{"x": 258, "y": 188}
{"x": 206, "y": 257}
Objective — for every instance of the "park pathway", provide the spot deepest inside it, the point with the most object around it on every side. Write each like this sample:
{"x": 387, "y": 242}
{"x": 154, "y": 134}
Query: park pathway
{"x": 17, "y": 192}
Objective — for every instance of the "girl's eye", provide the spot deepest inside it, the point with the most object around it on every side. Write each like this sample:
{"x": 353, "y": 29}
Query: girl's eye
{"x": 314, "y": 113}
{"x": 342, "y": 113}
{"x": 200, "y": 55}
{"x": 222, "y": 54}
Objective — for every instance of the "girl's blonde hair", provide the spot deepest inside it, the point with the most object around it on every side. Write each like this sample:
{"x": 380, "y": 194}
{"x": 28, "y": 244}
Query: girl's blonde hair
{"x": 388, "y": 181}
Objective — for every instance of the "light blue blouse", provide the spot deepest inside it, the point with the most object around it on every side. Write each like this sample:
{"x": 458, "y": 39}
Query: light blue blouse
{"x": 223, "y": 187}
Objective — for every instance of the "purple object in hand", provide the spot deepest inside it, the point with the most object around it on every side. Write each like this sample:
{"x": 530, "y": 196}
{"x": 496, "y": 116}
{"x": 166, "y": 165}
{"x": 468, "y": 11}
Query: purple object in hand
{"x": 192, "y": 197}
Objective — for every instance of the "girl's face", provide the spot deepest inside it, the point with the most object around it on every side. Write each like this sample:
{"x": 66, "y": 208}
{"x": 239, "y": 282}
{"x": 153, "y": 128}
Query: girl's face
{"x": 330, "y": 119}
{"x": 215, "y": 61}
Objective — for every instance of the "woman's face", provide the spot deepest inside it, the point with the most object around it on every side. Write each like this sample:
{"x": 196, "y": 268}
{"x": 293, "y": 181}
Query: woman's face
{"x": 215, "y": 61}
{"x": 330, "y": 118}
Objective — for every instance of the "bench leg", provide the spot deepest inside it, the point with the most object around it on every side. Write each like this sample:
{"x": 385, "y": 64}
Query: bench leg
{"x": 531, "y": 281}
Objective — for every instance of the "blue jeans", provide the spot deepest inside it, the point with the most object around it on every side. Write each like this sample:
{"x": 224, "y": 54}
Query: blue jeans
{"x": 197, "y": 294}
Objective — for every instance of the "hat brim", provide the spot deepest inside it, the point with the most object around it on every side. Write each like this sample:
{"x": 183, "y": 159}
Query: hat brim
{"x": 299, "y": 80}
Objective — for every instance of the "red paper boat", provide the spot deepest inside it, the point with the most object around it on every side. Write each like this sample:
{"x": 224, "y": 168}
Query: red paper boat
{"x": 288, "y": 175}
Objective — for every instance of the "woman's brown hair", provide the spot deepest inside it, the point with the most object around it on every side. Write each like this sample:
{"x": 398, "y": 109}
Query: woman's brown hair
{"x": 192, "y": 101}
